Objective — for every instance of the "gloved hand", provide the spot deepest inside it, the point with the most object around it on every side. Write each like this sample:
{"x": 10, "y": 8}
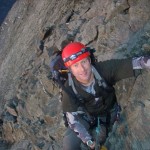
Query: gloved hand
{"x": 142, "y": 62}
{"x": 145, "y": 62}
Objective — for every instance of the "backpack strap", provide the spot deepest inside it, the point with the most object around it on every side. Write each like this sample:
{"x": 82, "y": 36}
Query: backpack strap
{"x": 100, "y": 80}
{"x": 71, "y": 84}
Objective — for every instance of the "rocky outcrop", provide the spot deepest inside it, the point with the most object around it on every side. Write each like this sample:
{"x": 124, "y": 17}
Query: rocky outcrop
{"x": 30, "y": 108}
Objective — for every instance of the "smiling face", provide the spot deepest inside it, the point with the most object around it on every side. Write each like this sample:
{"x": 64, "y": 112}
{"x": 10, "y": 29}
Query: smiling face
{"x": 82, "y": 70}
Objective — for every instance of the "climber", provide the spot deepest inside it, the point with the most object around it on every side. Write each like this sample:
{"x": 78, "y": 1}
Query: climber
{"x": 91, "y": 85}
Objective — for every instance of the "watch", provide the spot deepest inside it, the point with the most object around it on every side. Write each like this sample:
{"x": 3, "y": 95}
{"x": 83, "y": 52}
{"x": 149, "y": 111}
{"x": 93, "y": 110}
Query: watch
{"x": 89, "y": 143}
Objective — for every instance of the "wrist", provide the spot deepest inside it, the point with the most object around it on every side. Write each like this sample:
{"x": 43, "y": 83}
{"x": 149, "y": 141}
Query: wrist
{"x": 89, "y": 143}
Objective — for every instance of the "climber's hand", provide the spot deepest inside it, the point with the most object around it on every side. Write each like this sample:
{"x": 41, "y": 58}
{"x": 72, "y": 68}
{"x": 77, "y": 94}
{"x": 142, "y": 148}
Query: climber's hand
{"x": 142, "y": 62}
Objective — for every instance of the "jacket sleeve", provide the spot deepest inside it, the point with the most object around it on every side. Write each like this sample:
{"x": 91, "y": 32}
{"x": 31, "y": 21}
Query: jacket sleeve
{"x": 77, "y": 126}
{"x": 116, "y": 69}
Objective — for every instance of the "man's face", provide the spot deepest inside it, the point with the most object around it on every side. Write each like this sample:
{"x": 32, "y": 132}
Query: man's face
{"x": 82, "y": 70}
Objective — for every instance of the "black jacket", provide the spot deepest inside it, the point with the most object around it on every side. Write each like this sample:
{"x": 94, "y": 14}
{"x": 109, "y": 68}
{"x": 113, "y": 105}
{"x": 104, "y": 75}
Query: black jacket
{"x": 112, "y": 71}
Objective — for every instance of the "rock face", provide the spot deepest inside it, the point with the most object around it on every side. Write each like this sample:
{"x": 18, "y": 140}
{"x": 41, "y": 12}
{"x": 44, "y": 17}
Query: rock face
{"x": 29, "y": 102}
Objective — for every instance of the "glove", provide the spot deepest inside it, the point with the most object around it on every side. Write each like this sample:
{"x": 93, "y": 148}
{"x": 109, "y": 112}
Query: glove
{"x": 142, "y": 62}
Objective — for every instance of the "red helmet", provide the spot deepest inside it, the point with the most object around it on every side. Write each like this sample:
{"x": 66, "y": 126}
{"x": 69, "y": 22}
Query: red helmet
{"x": 73, "y": 53}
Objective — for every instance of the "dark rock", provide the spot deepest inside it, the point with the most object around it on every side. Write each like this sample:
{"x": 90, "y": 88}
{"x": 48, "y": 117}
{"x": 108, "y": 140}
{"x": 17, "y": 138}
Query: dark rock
{"x": 8, "y": 117}
{"x": 4, "y": 145}
{"x": 47, "y": 32}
